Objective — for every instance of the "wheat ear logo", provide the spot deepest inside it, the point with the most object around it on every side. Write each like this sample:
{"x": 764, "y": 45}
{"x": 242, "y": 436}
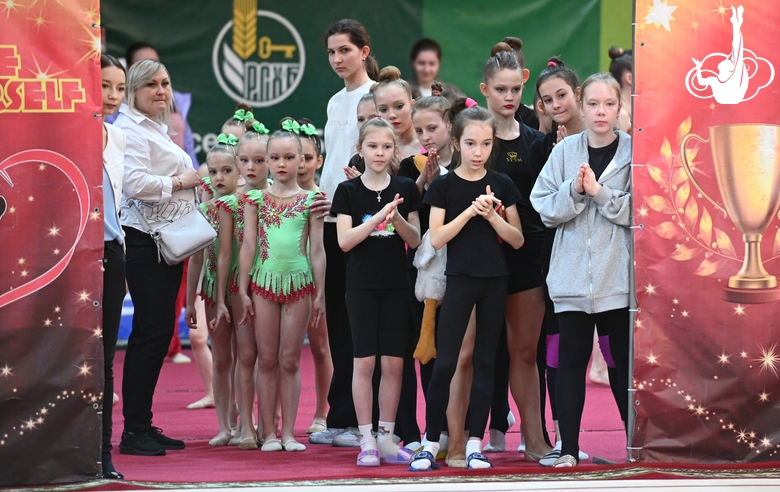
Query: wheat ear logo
{"x": 262, "y": 61}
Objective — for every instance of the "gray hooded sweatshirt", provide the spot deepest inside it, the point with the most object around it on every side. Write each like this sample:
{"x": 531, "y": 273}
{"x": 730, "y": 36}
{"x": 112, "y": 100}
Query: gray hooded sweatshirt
{"x": 591, "y": 256}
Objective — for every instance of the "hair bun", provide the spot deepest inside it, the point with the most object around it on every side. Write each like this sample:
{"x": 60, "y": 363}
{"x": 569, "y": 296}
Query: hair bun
{"x": 389, "y": 73}
{"x": 437, "y": 87}
{"x": 244, "y": 106}
{"x": 515, "y": 43}
{"x": 499, "y": 47}
{"x": 616, "y": 52}
{"x": 286, "y": 118}
{"x": 554, "y": 61}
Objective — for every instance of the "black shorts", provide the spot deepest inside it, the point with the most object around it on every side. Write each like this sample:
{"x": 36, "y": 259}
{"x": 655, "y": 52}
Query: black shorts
{"x": 379, "y": 320}
{"x": 525, "y": 267}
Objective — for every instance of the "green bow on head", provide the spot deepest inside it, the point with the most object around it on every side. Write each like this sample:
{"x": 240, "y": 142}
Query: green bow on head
{"x": 243, "y": 115}
{"x": 259, "y": 128}
{"x": 227, "y": 139}
{"x": 309, "y": 129}
{"x": 291, "y": 126}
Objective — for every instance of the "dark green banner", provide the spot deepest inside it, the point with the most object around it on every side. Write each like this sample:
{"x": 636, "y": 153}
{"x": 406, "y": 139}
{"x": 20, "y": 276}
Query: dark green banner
{"x": 272, "y": 54}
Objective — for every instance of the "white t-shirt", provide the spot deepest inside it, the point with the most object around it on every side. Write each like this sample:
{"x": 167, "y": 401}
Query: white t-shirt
{"x": 341, "y": 136}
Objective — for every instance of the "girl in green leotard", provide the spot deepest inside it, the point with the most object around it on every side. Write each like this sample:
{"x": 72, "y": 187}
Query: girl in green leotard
{"x": 252, "y": 166}
{"x": 286, "y": 283}
{"x": 223, "y": 170}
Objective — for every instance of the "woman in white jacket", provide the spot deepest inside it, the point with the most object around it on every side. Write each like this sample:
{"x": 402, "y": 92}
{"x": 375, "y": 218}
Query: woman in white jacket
{"x": 585, "y": 191}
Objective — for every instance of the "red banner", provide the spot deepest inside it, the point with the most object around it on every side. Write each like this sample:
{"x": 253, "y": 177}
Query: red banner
{"x": 51, "y": 233}
{"x": 706, "y": 194}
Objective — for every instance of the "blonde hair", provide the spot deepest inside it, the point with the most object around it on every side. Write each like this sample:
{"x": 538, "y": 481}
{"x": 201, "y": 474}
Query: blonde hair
{"x": 604, "y": 78}
{"x": 376, "y": 124}
{"x": 138, "y": 75}
{"x": 391, "y": 75}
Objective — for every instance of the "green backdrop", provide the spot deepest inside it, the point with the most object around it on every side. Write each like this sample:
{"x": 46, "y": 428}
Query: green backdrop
{"x": 580, "y": 31}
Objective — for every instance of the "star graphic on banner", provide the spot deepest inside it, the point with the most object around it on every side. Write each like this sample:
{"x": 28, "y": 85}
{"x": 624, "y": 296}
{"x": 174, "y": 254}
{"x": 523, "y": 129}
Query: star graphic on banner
{"x": 30, "y": 198}
{"x": 6, "y": 371}
{"x": 83, "y": 295}
{"x": 763, "y": 397}
{"x": 739, "y": 310}
{"x": 44, "y": 2}
{"x": 84, "y": 369}
{"x": 54, "y": 231}
{"x": 29, "y": 424}
{"x": 743, "y": 354}
{"x": 93, "y": 43}
{"x": 685, "y": 314}
{"x": 766, "y": 442}
{"x": 652, "y": 359}
{"x": 47, "y": 322}
{"x": 650, "y": 289}
{"x": 57, "y": 309}
{"x": 23, "y": 273}
{"x": 42, "y": 167}
{"x": 94, "y": 215}
{"x": 638, "y": 323}
{"x": 661, "y": 14}
{"x": 769, "y": 359}
{"x": 695, "y": 25}
{"x": 56, "y": 251}
{"x": 39, "y": 20}
{"x": 723, "y": 359}
{"x": 10, "y": 5}
{"x": 21, "y": 261}
{"x": 721, "y": 10}
{"x": 97, "y": 332}
{"x": 42, "y": 74}
{"x": 642, "y": 212}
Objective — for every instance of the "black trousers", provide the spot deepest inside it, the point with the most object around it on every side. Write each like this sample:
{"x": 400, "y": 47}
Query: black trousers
{"x": 576, "y": 344}
{"x": 153, "y": 286}
{"x": 113, "y": 295}
{"x": 488, "y": 294}
{"x": 499, "y": 408}
{"x": 342, "y": 409}
{"x": 406, "y": 426}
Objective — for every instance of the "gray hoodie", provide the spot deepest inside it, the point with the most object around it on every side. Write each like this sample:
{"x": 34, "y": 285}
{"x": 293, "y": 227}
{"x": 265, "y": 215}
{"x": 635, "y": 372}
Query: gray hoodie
{"x": 589, "y": 269}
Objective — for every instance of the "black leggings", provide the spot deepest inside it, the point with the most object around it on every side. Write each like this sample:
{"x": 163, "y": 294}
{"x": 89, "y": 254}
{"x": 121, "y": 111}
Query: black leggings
{"x": 406, "y": 426}
{"x": 576, "y": 343}
{"x": 113, "y": 295}
{"x": 488, "y": 294}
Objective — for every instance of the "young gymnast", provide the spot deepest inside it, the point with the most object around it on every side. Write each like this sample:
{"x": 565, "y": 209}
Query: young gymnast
{"x": 251, "y": 152}
{"x": 430, "y": 117}
{"x": 223, "y": 170}
{"x": 584, "y": 190}
{"x": 318, "y": 335}
{"x": 286, "y": 282}
{"x": 465, "y": 205}
{"x": 504, "y": 77}
{"x": 394, "y": 103}
{"x": 558, "y": 91}
{"x": 376, "y": 218}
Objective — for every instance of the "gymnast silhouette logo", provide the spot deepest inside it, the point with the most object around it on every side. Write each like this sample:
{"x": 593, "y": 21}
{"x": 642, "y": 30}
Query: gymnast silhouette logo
{"x": 730, "y": 84}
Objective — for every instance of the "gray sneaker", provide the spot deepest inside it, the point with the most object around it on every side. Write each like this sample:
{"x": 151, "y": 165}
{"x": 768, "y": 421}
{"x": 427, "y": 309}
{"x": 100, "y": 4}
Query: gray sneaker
{"x": 325, "y": 437}
{"x": 350, "y": 438}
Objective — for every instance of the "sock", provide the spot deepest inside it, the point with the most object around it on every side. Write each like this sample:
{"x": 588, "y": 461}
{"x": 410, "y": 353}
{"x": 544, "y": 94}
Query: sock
{"x": 475, "y": 446}
{"x": 367, "y": 440}
{"x": 387, "y": 446}
{"x": 431, "y": 447}
{"x": 497, "y": 440}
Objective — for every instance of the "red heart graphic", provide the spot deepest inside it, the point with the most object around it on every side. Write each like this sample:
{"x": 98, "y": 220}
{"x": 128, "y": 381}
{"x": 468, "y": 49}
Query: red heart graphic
{"x": 74, "y": 174}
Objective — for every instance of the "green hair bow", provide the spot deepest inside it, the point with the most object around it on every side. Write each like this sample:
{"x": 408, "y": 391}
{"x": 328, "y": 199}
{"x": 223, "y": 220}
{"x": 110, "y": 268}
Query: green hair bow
{"x": 291, "y": 126}
{"x": 243, "y": 115}
{"x": 309, "y": 129}
{"x": 227, "y": 139}
{"x": 259, "y": 128}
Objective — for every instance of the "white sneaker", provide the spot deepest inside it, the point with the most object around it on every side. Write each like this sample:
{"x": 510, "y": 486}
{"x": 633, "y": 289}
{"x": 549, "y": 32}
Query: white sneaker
{"x": 325, "y": 437}
{"x": 350, "y": 438}
{"x": 180, "y": 358}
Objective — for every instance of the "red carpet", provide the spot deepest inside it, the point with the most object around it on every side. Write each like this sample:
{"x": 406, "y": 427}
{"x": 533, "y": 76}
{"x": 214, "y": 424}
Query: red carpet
{"x": 180, "y": 385}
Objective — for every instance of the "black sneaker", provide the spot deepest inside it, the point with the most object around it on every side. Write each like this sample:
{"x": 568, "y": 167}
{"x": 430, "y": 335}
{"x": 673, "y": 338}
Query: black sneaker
{"x": 140, "y": 444}
{"x": 164, "y": 441}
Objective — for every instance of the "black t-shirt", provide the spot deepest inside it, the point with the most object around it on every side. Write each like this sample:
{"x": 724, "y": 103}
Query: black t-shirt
{"x": 475, "y": 250}
{"x": 599, "y": 158}
{"x": 379, "y": 261}
{"x": 513, "y": 158}
{"x": 527, "y": 115}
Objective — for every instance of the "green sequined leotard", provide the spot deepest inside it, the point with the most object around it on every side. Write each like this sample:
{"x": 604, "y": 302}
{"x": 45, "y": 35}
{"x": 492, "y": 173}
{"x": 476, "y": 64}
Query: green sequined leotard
{"x": 208, "y": 290}
{"x": 235, "y": 205}
{"x": 282, "y": 271}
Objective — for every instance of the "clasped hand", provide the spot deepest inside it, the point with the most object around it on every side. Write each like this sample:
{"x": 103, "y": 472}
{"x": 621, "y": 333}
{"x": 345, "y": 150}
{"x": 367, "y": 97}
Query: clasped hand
{"x": 485, "y": 205}
{"x": 586, "y": 182}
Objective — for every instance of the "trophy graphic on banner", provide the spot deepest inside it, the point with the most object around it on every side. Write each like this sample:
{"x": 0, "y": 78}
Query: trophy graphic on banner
{"x": 746, "y": 159}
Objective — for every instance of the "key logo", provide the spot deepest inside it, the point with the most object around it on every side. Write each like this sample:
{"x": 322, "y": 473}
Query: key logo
{"x": 258, "y": 57}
